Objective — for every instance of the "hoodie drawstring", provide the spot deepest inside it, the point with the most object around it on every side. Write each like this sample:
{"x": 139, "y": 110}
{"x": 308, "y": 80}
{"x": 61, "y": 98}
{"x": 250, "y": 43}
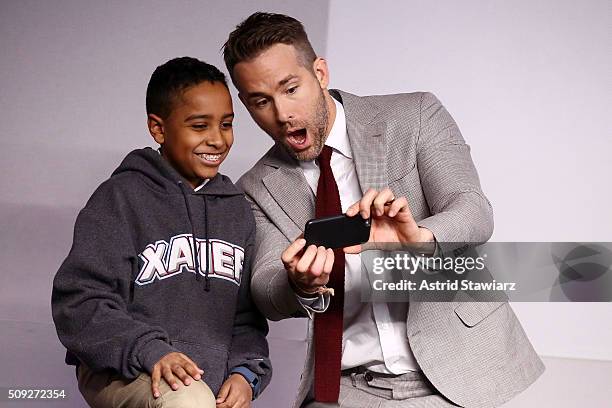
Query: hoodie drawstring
{"x": 196, "y": 254}
{"x": 206, "y": 278}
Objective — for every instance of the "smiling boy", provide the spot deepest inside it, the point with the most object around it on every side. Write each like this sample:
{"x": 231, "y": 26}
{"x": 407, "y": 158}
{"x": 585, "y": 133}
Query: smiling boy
{"x": 153, "y": 300}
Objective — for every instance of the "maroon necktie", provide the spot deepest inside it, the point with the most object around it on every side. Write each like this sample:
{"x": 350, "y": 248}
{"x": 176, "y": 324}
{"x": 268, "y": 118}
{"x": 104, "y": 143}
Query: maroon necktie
{"x": 328, "y": 325}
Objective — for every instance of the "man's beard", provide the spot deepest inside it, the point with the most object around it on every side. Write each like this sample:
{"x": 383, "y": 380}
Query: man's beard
{"x": 319, "y": 124}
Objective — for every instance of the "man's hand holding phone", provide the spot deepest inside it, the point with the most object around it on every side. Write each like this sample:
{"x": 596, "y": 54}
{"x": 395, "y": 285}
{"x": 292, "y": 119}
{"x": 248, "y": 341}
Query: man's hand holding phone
{"x": 308, "y": 267}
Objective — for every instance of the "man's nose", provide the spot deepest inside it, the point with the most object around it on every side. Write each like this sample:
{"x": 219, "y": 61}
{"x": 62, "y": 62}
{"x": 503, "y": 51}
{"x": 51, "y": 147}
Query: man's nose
{"x": 284, "y": 112}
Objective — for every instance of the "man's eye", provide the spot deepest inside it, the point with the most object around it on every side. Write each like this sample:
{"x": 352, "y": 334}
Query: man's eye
{"x": 292, "y": 90}
{"x": 199, "y": 126}
{"x": 261, "y": 103}
{"x": 227, "y": 125}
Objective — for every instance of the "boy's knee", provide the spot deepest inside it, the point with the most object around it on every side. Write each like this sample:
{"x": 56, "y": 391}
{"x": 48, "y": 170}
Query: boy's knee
{"x": 195, "y": 395}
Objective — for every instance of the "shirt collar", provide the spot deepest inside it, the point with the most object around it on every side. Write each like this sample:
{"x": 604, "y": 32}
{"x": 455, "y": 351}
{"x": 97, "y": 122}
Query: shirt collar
{"x": 201, "y": 185}
{"x": 338, "y": 136}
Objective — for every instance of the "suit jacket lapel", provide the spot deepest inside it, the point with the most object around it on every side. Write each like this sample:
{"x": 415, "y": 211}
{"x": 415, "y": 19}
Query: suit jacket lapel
{"x": 288, "y": 187}
{"x": 367, "y": 138}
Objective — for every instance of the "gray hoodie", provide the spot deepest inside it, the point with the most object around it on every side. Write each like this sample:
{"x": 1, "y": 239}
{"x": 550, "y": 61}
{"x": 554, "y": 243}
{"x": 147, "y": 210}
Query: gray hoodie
{"x": 134, "y": 287}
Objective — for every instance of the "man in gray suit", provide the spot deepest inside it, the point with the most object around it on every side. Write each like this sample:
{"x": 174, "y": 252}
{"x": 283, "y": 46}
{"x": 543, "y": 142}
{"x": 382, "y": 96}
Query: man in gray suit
{"x": 404, "y": 149}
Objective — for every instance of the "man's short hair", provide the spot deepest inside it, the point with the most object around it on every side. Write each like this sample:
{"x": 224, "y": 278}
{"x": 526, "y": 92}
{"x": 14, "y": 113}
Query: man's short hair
{"x": 259, "y": 32}
{"x": 171, "y": 79}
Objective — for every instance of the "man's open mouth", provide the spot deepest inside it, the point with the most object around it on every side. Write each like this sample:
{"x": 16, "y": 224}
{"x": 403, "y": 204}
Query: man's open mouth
{"x": 297, "y": 138}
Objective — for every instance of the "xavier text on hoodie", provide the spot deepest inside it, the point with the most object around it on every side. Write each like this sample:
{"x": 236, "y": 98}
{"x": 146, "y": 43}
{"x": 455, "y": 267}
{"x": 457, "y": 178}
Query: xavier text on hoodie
{"x": 157, "y": 267}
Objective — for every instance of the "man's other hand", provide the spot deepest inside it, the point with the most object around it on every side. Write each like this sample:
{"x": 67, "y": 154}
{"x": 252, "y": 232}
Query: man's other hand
{"x": 392, "y": 220}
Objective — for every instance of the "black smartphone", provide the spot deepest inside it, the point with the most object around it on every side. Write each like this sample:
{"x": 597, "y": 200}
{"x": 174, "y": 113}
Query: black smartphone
{"x": 338, "y": 231}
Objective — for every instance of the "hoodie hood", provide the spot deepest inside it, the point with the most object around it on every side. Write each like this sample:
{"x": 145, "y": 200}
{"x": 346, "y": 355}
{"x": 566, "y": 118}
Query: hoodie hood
{"x": 161, "y": 176}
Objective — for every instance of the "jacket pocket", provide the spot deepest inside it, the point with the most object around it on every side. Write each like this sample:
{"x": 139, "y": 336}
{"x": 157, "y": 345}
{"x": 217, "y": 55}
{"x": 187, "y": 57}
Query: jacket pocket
{"x": 472, "y": 313}
{"x": 404, "y": 175}
{"x": 213, "y": 360}
{"x": 407, "y": 185}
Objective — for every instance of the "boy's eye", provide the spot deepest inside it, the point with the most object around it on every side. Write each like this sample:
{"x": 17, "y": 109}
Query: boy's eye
{"x": 226, "y": 125}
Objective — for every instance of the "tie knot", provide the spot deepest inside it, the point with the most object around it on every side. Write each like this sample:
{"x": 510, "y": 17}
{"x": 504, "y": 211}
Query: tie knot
{"x": 325, "y": 156}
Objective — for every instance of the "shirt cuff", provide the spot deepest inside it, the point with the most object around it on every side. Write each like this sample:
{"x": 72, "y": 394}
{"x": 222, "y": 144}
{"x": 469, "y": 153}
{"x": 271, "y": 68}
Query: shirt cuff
{"x": 314, "y": 305}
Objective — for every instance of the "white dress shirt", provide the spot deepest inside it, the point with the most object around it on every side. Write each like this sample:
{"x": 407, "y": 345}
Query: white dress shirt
{"x": 374, "y": 333}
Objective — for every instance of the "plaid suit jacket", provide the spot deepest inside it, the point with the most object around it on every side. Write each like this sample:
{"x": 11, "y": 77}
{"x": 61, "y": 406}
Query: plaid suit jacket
{"x": 475, "y": 354}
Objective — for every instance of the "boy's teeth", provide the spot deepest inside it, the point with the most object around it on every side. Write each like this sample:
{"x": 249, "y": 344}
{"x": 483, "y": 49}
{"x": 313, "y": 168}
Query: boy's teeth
{"x": 210, "y": 157}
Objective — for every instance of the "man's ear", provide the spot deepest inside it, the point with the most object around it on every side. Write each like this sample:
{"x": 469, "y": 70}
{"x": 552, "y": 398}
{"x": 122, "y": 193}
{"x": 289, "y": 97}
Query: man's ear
{"x": 319, "y": 66}
{"x": 156, "y": 128}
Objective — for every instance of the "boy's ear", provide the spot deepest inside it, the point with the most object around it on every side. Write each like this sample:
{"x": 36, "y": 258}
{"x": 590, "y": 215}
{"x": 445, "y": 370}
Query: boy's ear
{"x": 156, "y": 128}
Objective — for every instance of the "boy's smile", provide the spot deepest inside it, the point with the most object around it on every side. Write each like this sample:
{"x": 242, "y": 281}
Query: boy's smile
{"x": 197, "y": 134}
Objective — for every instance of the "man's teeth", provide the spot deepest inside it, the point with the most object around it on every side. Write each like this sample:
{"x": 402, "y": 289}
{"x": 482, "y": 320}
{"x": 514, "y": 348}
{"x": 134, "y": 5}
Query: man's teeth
{"x": 298, "y": 137}
{"x": 210, "y": 157}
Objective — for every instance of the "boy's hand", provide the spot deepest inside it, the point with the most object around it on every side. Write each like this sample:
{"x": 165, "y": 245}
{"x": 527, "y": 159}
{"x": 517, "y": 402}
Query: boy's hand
{"x": 170, "y": 367}
{"x": 235, "y": 393}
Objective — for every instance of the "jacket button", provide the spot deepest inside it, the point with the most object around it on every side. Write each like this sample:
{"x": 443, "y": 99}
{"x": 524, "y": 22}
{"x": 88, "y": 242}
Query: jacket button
{"x": 368, "y": 377}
